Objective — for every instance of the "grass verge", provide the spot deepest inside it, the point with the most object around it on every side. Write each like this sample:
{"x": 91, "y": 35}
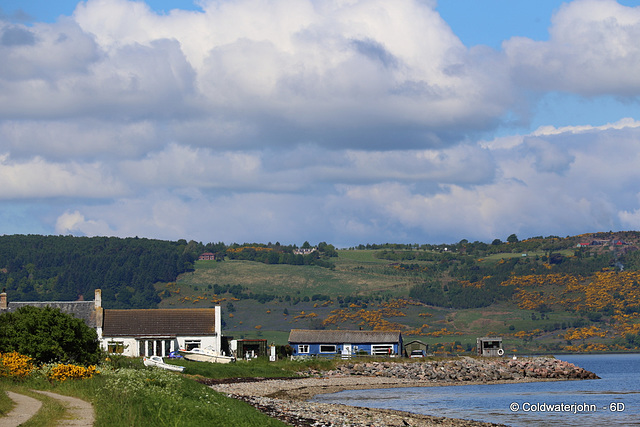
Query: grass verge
{"x": 140, "y": 396}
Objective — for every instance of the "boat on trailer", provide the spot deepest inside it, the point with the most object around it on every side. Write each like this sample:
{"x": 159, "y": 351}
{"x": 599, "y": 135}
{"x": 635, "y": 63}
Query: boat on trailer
{"x": 203, "y": 355}
{"x": 160, "y": 363}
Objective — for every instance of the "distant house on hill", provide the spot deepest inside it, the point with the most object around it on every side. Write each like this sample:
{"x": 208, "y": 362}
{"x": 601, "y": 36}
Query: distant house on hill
{"x": 207, "y": 256}
{"x": 305, "y": 251}
{"x": 140, "y": 332}
{"x": 344, "y": 343}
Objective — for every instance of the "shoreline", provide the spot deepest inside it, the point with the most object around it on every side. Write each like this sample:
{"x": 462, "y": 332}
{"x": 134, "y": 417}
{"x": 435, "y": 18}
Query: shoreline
{"x": 288, "y": 399}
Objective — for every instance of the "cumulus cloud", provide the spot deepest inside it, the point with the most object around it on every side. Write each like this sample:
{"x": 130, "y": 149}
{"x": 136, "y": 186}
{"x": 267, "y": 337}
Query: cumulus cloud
{"x": 592, "y": 50}
{"x": 289, "y": 70}
{"x": 38, "y": 178}
{"x": 75, "y": 223}
{"x": 293, "y": 120}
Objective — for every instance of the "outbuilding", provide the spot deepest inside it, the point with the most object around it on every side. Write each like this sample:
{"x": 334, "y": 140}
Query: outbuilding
{"x": 416, "y": 345}
{"x": 344, "y": 343}
{"x": 489, "y": 346}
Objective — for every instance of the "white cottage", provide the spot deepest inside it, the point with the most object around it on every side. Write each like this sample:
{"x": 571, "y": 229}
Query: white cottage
{"x": 148, "y": 332}
{"x": 140, "y": 332}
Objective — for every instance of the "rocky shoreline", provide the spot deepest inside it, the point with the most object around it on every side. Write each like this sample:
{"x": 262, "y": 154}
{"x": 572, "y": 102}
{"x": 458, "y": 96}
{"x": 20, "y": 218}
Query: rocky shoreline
{"x": 287, "y": 399}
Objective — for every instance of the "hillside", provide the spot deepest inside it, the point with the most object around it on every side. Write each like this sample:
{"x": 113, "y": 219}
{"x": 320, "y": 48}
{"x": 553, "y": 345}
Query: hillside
{"x": 542, "y": 294}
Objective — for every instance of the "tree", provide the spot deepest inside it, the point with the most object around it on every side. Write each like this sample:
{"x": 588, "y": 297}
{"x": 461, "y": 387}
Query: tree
{"x": 512, "y": 239}
{"x": 48, "y": 335}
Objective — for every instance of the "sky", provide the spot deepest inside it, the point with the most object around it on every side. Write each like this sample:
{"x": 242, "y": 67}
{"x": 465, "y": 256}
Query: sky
{"x": 344, "y": 121}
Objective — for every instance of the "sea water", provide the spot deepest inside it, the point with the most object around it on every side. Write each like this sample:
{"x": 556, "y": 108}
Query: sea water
{"x": 613, "y": 400}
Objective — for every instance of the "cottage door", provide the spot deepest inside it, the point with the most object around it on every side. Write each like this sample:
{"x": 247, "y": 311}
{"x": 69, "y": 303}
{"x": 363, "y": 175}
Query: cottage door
{"x": 346, "y": 351}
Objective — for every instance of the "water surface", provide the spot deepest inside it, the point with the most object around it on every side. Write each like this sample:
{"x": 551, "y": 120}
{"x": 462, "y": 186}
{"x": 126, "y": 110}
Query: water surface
{"x": 613, "y": 400}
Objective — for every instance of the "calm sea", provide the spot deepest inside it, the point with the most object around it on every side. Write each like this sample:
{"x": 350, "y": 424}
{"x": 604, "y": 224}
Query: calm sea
{"x": 612, "y": 400}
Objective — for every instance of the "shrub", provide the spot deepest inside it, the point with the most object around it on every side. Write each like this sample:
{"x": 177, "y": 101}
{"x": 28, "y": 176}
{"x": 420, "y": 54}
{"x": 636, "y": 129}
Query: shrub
{"x": 15, "y": 365}
{"x": 60, "y": 372}
{"x": 48, "y": 335}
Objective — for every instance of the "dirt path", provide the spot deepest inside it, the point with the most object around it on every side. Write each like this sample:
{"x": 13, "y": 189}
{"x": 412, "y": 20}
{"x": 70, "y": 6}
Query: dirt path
{"x": 78, "y": 412}
{"x": 26, "y": 407}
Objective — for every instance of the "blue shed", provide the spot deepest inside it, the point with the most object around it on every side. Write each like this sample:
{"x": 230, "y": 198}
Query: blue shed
{"x": 344, "y": 343}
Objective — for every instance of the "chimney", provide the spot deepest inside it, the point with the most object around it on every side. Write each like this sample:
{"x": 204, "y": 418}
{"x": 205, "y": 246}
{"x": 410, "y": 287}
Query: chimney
{"x": 99, "y": 311}
{"x": 98, "y": 298}
{"x": 3, "y": 300}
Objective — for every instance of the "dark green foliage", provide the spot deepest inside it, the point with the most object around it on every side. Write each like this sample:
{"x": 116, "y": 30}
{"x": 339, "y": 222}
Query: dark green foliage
{"x": 429, "y": 293}
{"x": 64, "y": 268}
{"x": 457, "y": 295}
{"x": 48, "y": 335}
{"x": 278, "y": 254}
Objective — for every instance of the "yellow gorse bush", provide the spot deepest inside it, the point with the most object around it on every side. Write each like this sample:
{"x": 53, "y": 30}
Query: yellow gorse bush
{"x": 62, "y": 372}
{"x": 15, "y": 365}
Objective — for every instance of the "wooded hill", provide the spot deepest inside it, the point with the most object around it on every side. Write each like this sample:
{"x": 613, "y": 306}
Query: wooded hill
{"x": 546, "y": 289}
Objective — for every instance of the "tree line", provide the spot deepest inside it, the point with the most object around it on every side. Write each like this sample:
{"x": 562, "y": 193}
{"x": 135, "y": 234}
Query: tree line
{"x": 66, "y": 268}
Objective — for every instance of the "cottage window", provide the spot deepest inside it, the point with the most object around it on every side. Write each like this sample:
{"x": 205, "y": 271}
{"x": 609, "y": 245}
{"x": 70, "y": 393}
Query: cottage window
{"x": 115, "y": 347}
{"x": 191, "y": 344}
{"x": 303, "y": 348}
{"x": 327, "y": 348}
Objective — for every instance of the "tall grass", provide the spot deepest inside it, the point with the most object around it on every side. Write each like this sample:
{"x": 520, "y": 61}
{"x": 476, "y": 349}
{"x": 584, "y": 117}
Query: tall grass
{"x": 139, "y": 396}
{"x": 152, "y": 397}
{"x": 48, "y": 415}
{"x": 259, "y": 367}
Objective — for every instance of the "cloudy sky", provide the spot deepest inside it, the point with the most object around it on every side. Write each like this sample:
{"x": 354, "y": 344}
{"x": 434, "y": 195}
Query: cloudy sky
{"x": 345, "y": 121}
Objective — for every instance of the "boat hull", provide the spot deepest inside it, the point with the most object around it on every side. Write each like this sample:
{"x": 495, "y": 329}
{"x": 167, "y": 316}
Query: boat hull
{"x": 161, "y": 364}
{"x": 202, "y": 357}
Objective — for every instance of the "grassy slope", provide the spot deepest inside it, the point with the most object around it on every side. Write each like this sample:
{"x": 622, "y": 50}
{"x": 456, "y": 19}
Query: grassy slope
{"x": 152, "y": 399}
{"x": 357, "y": 273}
{"x": 354, "y": 274}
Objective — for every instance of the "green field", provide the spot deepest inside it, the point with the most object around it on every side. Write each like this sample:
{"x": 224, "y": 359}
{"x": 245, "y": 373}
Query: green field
{"x": 359, "y": 288}
{"x": 356, "y": 273}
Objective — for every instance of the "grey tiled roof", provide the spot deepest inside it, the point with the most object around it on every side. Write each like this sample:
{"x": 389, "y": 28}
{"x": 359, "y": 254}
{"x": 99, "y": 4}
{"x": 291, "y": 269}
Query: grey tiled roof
{"x": 343, "y": 336}
{"x": 84, "y": 310}
{"x": 149, "y": 322}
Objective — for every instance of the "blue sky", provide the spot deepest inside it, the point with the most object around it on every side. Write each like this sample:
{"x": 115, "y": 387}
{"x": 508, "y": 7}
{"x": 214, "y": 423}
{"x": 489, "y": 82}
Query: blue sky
{"x": 361, "y": 121}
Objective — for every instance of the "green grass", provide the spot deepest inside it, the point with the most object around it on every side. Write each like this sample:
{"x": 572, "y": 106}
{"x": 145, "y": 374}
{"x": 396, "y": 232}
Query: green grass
{"x": 259, "y": 367}
{"x": 360, "y": 256}
{"x": 6, "y": 404}
{"x": 348, "y": 278}
{"x": 49, "y": 414}
{"x": 145, "y": 397}
{"x": 128, "y": 394}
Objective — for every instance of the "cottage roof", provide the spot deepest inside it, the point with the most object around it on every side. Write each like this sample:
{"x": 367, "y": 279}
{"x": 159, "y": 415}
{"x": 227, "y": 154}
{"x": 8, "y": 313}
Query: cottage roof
{"x": 343, "y": 336}
{"x": 84, "y": 310}
{"x": 150, "y": 322}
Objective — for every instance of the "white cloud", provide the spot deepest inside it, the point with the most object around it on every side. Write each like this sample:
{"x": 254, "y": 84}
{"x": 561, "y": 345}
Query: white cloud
{"x": 292, "y": 120}
{"x": 319, "y": 71}
{"x": 593, "y": 50}
{"x": 85, "y": 139}
{"x": 75, "y": 223}
{"x": 37, "y": 178}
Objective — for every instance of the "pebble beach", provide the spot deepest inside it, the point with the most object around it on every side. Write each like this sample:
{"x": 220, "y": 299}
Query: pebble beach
{"x": 287, "y": 399}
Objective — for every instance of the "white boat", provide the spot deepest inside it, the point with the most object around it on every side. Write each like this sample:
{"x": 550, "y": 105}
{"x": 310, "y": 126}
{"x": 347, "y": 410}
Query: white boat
{"x": 157, "y": 361}
{"x": 203, "y": 355}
